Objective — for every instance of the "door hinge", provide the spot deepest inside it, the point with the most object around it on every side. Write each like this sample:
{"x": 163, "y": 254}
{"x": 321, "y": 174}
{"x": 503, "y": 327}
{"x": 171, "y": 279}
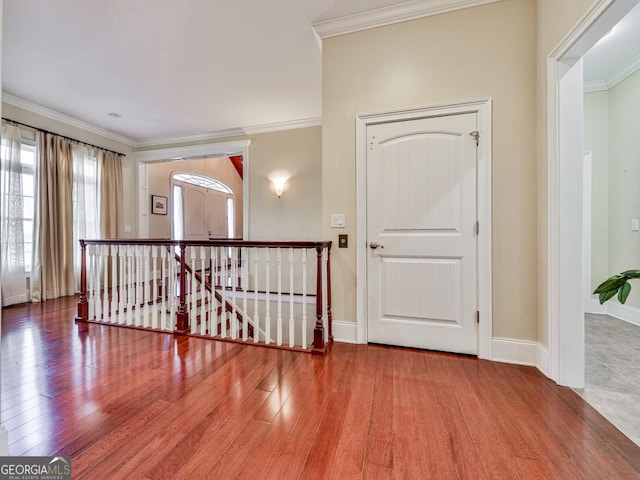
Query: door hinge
{"x": 476, "y": 136}
{"x": 476, "y": 228}
{"x": 477, "y": 316}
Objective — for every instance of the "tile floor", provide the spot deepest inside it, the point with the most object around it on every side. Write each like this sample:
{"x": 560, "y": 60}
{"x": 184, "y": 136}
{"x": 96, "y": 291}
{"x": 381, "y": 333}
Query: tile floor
{"x": 612, "y": 364}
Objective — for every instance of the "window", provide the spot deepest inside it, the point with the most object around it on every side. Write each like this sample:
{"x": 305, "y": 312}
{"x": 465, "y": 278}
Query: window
{"x": 28, "y": 160}
{"x": 24, "y": 197}
{"x": 178, "y": 222}
{"x": 202, "y": 181}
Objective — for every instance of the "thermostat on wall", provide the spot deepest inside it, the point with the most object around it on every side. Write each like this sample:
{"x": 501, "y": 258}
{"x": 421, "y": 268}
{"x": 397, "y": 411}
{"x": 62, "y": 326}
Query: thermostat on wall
{"x": 337, "y": 220}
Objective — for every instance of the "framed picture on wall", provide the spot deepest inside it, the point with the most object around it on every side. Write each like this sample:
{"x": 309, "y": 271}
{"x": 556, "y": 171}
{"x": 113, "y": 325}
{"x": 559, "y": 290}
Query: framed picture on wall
{"x": 158, "y": 205}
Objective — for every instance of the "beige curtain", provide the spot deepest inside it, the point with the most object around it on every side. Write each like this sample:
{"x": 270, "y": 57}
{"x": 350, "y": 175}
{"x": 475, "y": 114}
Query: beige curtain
{"x": 110, "y": 165}
{"x": 53, "y": 272}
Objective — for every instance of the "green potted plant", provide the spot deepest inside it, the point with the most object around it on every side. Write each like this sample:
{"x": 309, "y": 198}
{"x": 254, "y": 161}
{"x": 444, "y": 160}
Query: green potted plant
{"x": 616, "y": 285}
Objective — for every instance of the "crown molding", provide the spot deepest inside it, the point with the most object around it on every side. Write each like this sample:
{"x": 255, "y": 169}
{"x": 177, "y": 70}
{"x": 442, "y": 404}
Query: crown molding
{"x": 390, "y": 15}
{"x": 157, "y": 142}
{"x": 232, "y": 132}
{"x": 628, "y": 69}
{"x": 290, "y": 125}
{"x": 63, "y": 118}
{"x": 194, "y": 151}
{"x": 625, "y": 71}
{"x": 595, "y": 86}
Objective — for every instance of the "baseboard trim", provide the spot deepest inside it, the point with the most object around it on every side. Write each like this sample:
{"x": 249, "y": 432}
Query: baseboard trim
{"x": 542, "y": 359}
{"x": 344, "y": 332}
{"x": 593, "y": 306}
{"x": 518, "y": 352}
{"x": 624, "y": 312}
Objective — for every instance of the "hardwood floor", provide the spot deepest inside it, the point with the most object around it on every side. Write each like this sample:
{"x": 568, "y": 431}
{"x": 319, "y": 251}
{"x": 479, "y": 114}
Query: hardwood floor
{"x": 129, "y": 404}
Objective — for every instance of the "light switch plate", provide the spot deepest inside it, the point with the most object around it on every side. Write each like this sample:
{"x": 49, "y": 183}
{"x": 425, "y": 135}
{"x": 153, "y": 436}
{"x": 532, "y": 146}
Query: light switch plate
{"x": 127, "y": 229}
{"x": 337, "y": 220}
{"x": 635, "y": 224}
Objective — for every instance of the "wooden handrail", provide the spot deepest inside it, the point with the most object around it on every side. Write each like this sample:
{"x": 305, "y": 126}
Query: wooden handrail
{"x": 209, "y": 243}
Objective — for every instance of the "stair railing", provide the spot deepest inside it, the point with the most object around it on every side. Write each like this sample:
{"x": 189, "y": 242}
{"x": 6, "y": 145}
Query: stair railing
{"x": 243, "y": 291}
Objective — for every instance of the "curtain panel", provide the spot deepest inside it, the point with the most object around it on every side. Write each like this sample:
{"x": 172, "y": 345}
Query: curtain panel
{"x": 13, "y": 280}
{"x": 78, "y": 195}
{"x": 53, "y": 265}
{"x": 110, "y": 181}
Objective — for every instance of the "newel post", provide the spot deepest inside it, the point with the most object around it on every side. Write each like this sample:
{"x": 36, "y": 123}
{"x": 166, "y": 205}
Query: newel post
{"x": 83, "y": 303}
{"x": 319, "y": 347}
{"x": 329, "y": 314}
{"x": 182, "y": 316}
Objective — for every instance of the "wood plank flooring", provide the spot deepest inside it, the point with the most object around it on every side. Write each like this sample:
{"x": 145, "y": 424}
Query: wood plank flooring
{"x": 129, "y": 404}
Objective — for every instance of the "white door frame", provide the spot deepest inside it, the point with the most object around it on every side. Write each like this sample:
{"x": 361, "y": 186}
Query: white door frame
{"x": 483, "y": 108}
{"x": 566, "y": 346}
{"x": 210, "y": 150}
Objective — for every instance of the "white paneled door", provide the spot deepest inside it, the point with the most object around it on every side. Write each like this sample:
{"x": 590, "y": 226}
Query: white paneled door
{"x": 205, "y": 213}
{"x": 421, "y": 233}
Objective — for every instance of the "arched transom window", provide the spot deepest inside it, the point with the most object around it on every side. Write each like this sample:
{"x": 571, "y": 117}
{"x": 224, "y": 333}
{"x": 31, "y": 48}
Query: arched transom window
{"x": 202, "y": 181}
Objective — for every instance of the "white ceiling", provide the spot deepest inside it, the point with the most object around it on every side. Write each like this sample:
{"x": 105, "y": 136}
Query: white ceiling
{"x": 616, "y": 56}
{"x": 171, "y": 69}
{"x": 200, "y": 67}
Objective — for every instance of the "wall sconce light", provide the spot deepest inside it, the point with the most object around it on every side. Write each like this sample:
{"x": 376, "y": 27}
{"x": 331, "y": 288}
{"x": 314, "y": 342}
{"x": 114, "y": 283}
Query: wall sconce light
{"x": 278, "y": 185}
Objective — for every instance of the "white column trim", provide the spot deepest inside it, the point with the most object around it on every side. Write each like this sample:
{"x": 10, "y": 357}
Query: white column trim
{"x": 596, "y": 21}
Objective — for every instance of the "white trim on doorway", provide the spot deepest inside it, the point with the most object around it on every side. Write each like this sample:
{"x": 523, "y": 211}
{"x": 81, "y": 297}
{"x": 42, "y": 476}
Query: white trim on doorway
{"x": 566, "y": 358}
{"x": 483, "y": 108}
{"x": 210, "y": 150}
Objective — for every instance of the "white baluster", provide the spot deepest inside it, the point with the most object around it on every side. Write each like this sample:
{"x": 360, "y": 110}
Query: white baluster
{"x": 122, "y": 290}
{"x": 291, "y": 317}
{"x": 304, "y": 298}
{"x": 234, "y": 274}
{"x": 245, "y": 286}
{"x": 114, "y": 284}
{"x": 138, "y": 298}
{"x": 279, "y": 317}
{"x": 213, "y": 315}
{"x": 223, "y": 282}
{"x": 203, "y": 291}
{"x": 91, "y": 277}
{"x": 267, "y": 316}
{"x": 171, "y": 290}
{"x": 130, "y": 283}
{"x": 256, "y": 310}
{"x": 105, "y": 277}
{"x": 146, "y": 290}
{"x": 192, "y": 296}
{"x": 163, "y": 287}
{"x": 154, "y": 286}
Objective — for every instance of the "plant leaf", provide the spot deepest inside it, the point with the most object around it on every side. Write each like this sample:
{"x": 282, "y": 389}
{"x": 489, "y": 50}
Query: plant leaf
{"x": 612, "y": 283}
{"x": 631, "y": 274}
{"x": 623, "y": 293}
{"x": 604, "y": 296}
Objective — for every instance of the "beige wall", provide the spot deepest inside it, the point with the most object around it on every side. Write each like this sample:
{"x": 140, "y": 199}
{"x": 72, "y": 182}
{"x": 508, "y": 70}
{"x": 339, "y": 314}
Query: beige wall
{"x": 554, "y": 18}
{"x": 159, "y": 183}
{"x": 296, "y": 154}
{"x": 487, "y": 51}
{"x": 128, "y": 162}
{"x": 596, "y": 141}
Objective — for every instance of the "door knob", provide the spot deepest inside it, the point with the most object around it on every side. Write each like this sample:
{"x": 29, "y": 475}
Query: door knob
{"x": 375, "y": 245}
